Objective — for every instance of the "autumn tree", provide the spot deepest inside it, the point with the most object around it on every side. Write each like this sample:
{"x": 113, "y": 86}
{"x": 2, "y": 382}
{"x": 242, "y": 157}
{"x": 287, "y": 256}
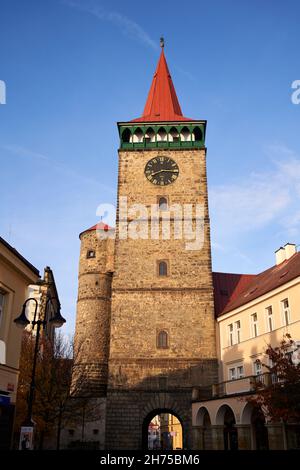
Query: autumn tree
{"x": 279, "y": 395}
{"x": 53, "y": 408}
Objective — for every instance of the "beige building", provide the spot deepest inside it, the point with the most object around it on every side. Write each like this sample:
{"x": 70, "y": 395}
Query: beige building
{"x": 252, "y": 311}
{"x": 16, "y": 274}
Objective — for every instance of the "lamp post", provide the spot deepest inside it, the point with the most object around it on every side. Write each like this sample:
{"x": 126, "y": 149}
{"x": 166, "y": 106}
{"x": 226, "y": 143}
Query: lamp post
{"x": 26, "y": 438}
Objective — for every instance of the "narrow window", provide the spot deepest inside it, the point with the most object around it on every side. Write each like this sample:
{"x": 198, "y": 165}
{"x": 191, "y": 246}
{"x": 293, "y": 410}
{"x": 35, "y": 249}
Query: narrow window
{"x": 163, "y": 204}
{"x": 254, "y": 327}
{"x": 126, "y": 134}
{"x": 162, "y": 340}
{"x": 237, "y": 325}
{"x": 2, "y": 301}
{"x": 257, "y": 367}
{"x": 240, "y": 372}
{"x": 162, "y": 268}
{"x": 230, "y": 334}
{"x": 270, "y": 319}
{"x": 285, "y": 312}
{"x": 197, "y": 134}
{"x": 232, "y": 373}
{"x": 173, "y": 135}
{"x": 91, "y": 254}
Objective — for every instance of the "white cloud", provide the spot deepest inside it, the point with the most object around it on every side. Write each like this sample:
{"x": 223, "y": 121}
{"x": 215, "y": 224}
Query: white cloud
{"x": 260, "y": 200}
{"x": 125, "y": 24}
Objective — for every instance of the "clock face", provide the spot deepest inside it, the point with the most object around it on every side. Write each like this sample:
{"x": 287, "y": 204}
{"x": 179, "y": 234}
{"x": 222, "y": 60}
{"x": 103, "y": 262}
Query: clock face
{"x": 161, "y": 171}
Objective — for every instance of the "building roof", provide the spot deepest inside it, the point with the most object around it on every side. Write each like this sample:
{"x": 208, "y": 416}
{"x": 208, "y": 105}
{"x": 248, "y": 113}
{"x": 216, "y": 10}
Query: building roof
{"x": 162, "y": 103}
{"x": 234, "y": 290}
{"x": 20, "y": 257}
{"x": 98, "y": 226}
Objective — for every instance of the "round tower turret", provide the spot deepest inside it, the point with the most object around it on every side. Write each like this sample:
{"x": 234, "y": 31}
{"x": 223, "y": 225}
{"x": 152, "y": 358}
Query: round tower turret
{"x": 93, "y": 312}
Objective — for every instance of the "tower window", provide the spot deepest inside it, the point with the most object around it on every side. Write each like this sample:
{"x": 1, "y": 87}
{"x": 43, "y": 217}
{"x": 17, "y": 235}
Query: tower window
{"x": 150, "y": 135}
{"x": 163, "y": 203}
{"x": 185, "y": 134}
{"x": 126, "y": 134}
{"x": 162, "y": 135}
{"x": 162, "y": 340}
{"x": 91, "y": 254}
{"x": 197, "y": 134}
{"x": 162, "y": 268}
{"x": 138, "y": 136}
{"x": 174, "y": 135}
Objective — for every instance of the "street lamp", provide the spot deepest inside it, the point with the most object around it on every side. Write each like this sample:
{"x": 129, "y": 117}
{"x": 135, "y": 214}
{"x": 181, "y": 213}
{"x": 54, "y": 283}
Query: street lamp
{"x": 22, "y": 321}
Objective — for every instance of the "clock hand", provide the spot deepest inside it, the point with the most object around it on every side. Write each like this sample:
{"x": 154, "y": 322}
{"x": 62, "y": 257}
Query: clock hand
{"x": 161, "y": 171}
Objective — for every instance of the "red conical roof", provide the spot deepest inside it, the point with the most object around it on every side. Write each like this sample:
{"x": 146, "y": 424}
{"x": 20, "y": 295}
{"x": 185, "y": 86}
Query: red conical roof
{"x": 162, "y": 102}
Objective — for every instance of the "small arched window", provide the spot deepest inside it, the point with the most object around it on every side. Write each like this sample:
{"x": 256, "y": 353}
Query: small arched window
{"x": 163, "y": 204}
{"x": 162, "y": 268}
{"x": 197, "y": 134}
{"x": 162, "y": 135}
{"x": 173, "y": 135}
{"x": 185, "y": 134}
{"x": 162, "y": 340}
{"x": 126, "y": 134}
{"x": 138, "y": 136}
{"x": 150, "y": 135}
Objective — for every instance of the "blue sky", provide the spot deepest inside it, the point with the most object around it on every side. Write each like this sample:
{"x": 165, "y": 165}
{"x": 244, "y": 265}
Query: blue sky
{"x": 73, "y": 68}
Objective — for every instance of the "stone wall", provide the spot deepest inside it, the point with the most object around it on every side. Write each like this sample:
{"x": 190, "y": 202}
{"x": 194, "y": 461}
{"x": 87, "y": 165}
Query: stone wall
{"x": 144, "y": 303}
{"x": 93, "y": 316}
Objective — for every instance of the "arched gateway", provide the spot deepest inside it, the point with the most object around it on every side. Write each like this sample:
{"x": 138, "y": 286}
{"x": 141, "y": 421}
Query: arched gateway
{"x": 162, "y": 430}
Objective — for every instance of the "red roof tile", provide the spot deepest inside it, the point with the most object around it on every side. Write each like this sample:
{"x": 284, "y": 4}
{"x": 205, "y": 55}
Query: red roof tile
{"x": 98, "y": 226}
{"x": 162, "y": 103}
{"x": 234, "y": 290}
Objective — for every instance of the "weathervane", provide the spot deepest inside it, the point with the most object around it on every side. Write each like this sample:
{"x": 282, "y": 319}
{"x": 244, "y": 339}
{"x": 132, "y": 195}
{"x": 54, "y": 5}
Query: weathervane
{"x": 162, "y": 42}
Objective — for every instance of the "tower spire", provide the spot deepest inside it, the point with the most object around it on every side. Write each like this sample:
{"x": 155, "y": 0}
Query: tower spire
{"x": 162, "y": 103}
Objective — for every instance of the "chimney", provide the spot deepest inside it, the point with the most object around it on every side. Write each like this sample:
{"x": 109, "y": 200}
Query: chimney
{"x": 290, "y": 250}
{"x": 280, "y": 255}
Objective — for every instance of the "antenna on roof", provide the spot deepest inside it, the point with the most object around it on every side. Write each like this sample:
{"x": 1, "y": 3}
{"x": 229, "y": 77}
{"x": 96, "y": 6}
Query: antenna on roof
{"x": 162, "y": 42}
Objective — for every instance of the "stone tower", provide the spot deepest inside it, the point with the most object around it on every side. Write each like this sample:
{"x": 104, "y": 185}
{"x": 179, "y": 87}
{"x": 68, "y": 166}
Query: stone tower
{"x": 92, "y": 334}
{"x": 162, "y": 338}
{"x": 147, "y": 330}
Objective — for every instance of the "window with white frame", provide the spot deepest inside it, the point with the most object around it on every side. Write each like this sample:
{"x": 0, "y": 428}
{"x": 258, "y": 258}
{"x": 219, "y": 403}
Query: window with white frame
{"x": 236, "y": 372}
{"x": 237, "y": 327}
{"x": 230, "y": 334}
{"x": 269, "y": 319}
{"x": 257, "y": 367}
{"x": 285, "y": 308}
{"x": 254, "y": 325}
{"x": 2, "y": 302}
{"x": 274, "y": 378}
{"x": 232, "y": 373}
{"x": 240, "y": 372}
